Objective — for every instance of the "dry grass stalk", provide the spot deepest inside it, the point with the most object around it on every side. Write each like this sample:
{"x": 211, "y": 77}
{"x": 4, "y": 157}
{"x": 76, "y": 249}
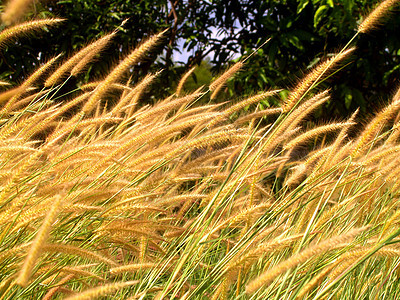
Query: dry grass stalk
{"x": 303, "y": 256}
{"x": 244, "y": 259}
{"x": 374, "y": 127}
{"x": 240, "y": 216}
{"x": 5, "y": 284}
{"x": 102, "y": 290}
{"x": 312, "y": 79}
{"x": 92, "y": 85}
{"x": 8, "y": 34}
{"x": 77, "y": 62}
{"x": 257, "y": 115}
{"x": 315, "y": 132}
{"x": 78, "y": 271}
{"x": 336, "y": 153}
{"x": 14, "y": 251}
{"x": 383, "y": 153}
{"x": 295, "y": 117}
{"x": 40, "y": 238}
{"x": 183, "y": 80}
{"x": 349, "y": 258}
{"x": 316, "y": 279}
{"x": 376, "y": 16}
{"x": 28, "y": 100}
{"x": 15, "y": 10}
{"x": 132, "y": 268}
{"x": 393, "y": 220}
{"x": 27, "y": 83}
{"x": 50, "y": 294}
{"x": 167, "y": 107}
{"x": 132, "y": 97}
{"x": 221, "y": 80}
{"x": 239, "y": 106}
{"x": 74, "y": 250}
{"x": 132, "y": 59}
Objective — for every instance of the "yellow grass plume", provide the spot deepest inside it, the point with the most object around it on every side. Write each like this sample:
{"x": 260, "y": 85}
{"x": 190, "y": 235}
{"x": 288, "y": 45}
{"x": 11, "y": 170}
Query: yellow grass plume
{"x": 330, "y": 244}
{"x": 40, "y": 238}
{"x": 133, "y": 58}
{"x": 103, "y": 290}
{"x": 15, "y": 10}
{"x": 376, "y": 16}
{"x": 7, "y": 35}
{"x": 311, "y": 80}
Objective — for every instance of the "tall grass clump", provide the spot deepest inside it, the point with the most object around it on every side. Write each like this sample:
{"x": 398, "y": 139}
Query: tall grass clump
{"x": 103, "y": 195}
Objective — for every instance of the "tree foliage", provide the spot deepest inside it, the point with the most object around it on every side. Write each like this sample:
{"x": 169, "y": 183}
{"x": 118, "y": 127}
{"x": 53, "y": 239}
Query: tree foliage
{"x": 298, "y": 30}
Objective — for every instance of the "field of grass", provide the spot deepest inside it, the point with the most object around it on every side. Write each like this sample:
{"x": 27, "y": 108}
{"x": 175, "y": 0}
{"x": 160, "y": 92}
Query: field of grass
{"x": 102, "y": 196}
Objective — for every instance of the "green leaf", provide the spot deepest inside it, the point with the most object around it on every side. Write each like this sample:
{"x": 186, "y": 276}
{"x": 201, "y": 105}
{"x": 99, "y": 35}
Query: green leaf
{"x": 264, "y": 78}
{"x": 359, "y": 99}
{"x": 294, "y": 40}
{"x": 264, "y": 104}
{"x": 330, "y": 3}
{"x": 347, "y": 100}
{"x": 302, "y": 5}
{"x": 303, "y": 35}
{"x": 319, "y": 14}
{"x": 389, "y": 73}
{"x": 284, "y": 94}
{"x": 273, "y": 50}
{"x": 313, "y": 62}
{"x": 115, "y": 15}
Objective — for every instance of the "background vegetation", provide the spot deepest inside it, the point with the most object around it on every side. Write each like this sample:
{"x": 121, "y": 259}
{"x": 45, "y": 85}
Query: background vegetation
{"x": 302, "y": 32}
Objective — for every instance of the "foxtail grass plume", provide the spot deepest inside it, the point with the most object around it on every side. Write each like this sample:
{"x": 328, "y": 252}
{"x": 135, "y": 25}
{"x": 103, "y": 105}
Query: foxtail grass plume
{"x": 50, "y": 294}
{"x": 218, "y": 83}
{"x": 183, "y": 80}
{"x": 15, "y": 10}
{"x": 132, "y": 59}
{"x": 330, "y": 244}
{"x": 24, "y": 87}
{"x": 376, "y": 16}
{"x": 315, "y": 132}
{"x": 40, "y": 239}
{"x": 77, "y": 62}
{"x": 7, "y": 35}
{"x": 103, "y": 290}
{"x": 312, "y": 79}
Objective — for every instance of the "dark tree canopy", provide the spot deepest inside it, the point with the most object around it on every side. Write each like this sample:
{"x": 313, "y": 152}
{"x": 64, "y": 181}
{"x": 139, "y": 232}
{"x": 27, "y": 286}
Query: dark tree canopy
{"x": 302, "y": 32}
